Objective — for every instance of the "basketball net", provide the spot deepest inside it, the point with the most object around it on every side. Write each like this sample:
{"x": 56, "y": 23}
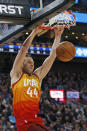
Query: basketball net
{"x": 65, "y": 18}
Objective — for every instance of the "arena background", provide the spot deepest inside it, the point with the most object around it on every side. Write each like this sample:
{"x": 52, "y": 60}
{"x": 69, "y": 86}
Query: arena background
{"x": 71, "y": 76}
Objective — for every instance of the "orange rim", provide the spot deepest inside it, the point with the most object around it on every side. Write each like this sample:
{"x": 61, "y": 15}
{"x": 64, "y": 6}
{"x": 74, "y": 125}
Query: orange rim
{"x": 65, "y": 26}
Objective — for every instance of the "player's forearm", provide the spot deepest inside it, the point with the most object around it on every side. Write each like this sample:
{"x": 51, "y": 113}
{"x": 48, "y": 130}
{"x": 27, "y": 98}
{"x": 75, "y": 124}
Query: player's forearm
{"x": 28, "y": 41}
{"x": 54, "y": 46}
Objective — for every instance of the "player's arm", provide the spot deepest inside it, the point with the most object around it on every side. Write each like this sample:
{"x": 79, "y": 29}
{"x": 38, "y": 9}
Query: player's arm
{"x": 47, "y": 64}
{"x": 17, "y": 66}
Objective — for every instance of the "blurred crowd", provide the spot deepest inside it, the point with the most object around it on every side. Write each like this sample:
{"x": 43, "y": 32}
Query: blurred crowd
{"x": 67, "y": 116}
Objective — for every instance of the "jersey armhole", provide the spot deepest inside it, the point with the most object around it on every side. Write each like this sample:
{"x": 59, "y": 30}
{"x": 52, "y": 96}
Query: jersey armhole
{"x": 12, "y": 86}
{"x": 37, "y": 76}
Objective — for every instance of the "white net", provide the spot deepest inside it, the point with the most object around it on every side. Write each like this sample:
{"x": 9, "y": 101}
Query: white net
{"x": 62, "y": 19}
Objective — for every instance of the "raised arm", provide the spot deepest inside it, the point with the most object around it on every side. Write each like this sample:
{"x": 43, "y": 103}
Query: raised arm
{"x": 17, "y": 66}
{"x": 44, "y": 69}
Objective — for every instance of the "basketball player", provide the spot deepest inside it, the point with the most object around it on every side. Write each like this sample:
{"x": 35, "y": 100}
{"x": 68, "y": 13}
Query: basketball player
{"x": 26, "y": 84}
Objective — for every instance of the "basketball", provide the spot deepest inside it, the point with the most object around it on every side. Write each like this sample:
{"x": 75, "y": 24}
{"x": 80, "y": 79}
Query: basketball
{"x": 65, "y": 51}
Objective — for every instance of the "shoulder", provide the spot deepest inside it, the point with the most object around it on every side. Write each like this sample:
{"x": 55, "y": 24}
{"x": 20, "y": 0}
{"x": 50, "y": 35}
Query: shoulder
{"x": 38, "y": 72}
{"x": 37, "y": 75}
{"x": 15, "y": 77}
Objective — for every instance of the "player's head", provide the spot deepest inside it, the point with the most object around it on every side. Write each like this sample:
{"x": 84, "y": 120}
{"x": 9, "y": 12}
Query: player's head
{"x": 28, "y": 65}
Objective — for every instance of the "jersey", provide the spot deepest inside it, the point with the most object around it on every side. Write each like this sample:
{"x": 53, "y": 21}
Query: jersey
{"x": 26, "y": 97}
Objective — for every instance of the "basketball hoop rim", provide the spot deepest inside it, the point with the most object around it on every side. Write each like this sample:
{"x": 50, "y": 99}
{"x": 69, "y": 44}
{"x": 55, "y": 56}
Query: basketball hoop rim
{"x": 65, "y": 26}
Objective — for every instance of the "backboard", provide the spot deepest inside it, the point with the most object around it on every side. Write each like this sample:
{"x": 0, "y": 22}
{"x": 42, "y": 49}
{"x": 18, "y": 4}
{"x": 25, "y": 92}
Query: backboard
{"x": 43, "y": 14}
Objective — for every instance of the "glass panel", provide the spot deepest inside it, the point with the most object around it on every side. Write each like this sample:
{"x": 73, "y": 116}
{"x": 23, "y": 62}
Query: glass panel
{"x": 5, "y": 28}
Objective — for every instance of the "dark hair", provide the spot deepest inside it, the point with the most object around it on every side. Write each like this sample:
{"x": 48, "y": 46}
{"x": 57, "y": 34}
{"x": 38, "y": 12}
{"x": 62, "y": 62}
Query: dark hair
{"x": 28, "y": 55}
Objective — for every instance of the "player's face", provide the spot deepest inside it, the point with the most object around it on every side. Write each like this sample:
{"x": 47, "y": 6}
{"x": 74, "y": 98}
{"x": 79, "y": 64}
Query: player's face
{"x": 28, "y": 65}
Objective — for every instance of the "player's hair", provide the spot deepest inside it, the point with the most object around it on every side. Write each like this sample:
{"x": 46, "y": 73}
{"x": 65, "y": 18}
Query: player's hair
{"x": 29, "y": 55}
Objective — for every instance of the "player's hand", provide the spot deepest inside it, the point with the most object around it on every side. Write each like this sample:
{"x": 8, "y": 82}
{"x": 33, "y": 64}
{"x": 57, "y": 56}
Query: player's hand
{"x": 37, "y": 29}
{"x": 59, "y": 30}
